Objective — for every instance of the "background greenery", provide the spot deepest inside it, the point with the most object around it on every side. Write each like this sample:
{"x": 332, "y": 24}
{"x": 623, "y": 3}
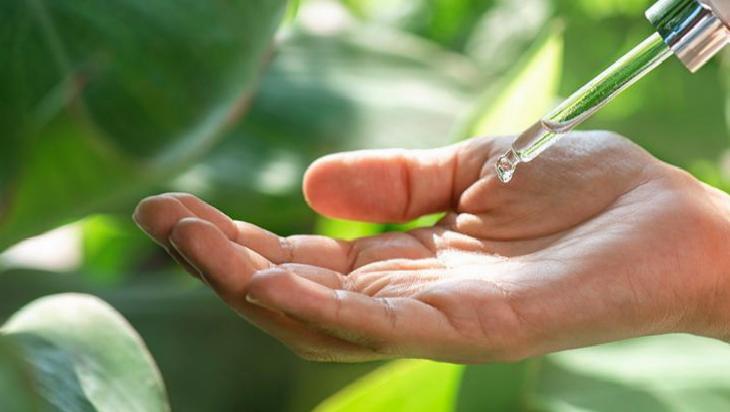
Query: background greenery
{"x": 103, "y": 102}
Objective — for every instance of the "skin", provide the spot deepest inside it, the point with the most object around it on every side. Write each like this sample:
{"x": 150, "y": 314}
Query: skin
{"x": 593, "y": 242}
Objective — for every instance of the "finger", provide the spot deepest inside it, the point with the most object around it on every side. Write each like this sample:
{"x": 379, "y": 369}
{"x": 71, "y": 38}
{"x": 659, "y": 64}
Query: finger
{"x": 392, "y": 326}
{"x": 339, "y": 255}
{"x": 319, "y": 251}
{"x": 157, "y": 216}
{"x": 207, "y": 212}
{"x": 305, "y": 342}
{"x": 395, "y": 185}
{"x": 325, "y": 277}
{"x": 227, "y": 267}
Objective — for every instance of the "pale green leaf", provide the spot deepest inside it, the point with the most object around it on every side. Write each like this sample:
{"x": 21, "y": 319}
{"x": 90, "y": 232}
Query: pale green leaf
{"x": 85, "y": 357}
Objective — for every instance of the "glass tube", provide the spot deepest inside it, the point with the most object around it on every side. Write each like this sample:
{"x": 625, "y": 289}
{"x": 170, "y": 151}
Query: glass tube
{"x": 583, "y": 104}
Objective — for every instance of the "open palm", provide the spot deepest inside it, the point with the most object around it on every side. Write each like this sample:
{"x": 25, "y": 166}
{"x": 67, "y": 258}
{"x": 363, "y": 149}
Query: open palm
{"x": 596, "y": 241}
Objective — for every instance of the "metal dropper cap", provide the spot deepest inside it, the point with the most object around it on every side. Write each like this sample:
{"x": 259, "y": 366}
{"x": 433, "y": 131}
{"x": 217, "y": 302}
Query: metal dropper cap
{"x": 695, "y": 30}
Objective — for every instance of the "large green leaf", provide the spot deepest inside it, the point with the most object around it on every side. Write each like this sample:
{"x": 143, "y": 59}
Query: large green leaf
{"x": 102, "y": 98}
{"x": 85, "y": 357}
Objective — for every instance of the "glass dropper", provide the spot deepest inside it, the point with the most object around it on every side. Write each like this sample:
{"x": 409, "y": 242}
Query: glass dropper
{"x": 590, "y": 98}
{"x": 692, "y": 30}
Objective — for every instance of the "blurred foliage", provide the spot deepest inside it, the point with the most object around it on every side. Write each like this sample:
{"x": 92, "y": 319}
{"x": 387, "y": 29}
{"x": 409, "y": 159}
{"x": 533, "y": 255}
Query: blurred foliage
{"x": 641, "y": 375}
{"x": 524, "y": 96}
{"x": 405, "y": 385}
{"x": 210, "y": 359}
{"x": 356, "y": 89}
{"x": 101, "y": 99}
{"x": 647, "y": 374}
{"x": 102, "y": 103}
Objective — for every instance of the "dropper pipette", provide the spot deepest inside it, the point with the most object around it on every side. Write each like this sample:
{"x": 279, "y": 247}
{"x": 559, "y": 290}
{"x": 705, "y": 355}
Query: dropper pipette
{"x": 694, "y": 30}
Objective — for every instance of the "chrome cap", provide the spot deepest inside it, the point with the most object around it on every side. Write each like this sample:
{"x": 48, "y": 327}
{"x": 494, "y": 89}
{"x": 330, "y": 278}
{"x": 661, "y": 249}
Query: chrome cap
{"x": 691, "y": 29}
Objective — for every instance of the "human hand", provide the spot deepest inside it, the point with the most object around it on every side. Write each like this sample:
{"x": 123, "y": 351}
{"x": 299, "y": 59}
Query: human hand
{"x": 594, "y": 241}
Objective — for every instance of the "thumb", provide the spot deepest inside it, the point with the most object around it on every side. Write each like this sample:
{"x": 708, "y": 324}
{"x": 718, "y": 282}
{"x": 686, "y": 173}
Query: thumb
{"x": 395, "y": 185}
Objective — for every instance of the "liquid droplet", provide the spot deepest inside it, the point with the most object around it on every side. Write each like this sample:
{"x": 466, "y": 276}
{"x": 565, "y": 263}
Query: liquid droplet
{"x": 507, "y": 166}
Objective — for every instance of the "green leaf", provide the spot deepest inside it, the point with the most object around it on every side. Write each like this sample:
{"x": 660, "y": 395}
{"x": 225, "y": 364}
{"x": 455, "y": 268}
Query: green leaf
{"x": 403, "y": 386}
{"x": 85, "y": 356}
{"x": 100, "y": 99}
